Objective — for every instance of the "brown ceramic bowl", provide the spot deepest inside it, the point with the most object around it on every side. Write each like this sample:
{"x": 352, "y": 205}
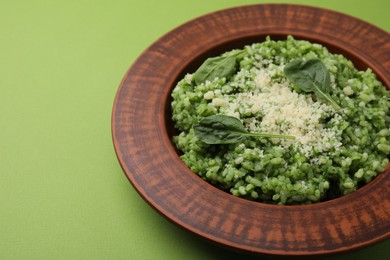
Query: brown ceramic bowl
{"x": 142, "y": 130}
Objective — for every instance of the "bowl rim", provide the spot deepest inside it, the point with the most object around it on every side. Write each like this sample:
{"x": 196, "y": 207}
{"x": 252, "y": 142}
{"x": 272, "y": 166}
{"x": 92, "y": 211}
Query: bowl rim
{"x": 131, "y": 171}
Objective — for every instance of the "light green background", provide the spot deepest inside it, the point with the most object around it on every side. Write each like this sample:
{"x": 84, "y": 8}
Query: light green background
{"x": 62, "y": 192}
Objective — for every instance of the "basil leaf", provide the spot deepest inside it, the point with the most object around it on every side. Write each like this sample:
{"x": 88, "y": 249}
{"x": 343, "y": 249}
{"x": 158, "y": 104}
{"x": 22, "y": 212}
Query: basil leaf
{"x": 239, "y": 54}
{"x": 215, "y": 67}
{"x": 311, "y": 76}
{"x": 221, "y": 129}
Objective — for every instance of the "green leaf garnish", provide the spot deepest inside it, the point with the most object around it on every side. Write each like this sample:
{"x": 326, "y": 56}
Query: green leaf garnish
{"x": 311, "y": 76}
{"x": 221, "y": 67}
{"x": 221, "y": 129}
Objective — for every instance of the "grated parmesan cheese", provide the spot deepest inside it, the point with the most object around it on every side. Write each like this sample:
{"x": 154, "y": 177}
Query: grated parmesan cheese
{"x": 262, "y": 79}
{"x": 348, "y": 91}
{"x": 283, "y": 111}
{"x": 208, "y": 95}
{"x": 219, "y": 102}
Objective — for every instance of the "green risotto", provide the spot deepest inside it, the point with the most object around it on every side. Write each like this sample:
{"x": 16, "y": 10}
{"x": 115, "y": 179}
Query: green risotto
{"x": 283, "y": 122}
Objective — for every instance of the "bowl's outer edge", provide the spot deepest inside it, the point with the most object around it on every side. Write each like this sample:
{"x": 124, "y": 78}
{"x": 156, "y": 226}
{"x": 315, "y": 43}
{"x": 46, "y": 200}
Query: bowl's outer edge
{"x": 150, "y": 162}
